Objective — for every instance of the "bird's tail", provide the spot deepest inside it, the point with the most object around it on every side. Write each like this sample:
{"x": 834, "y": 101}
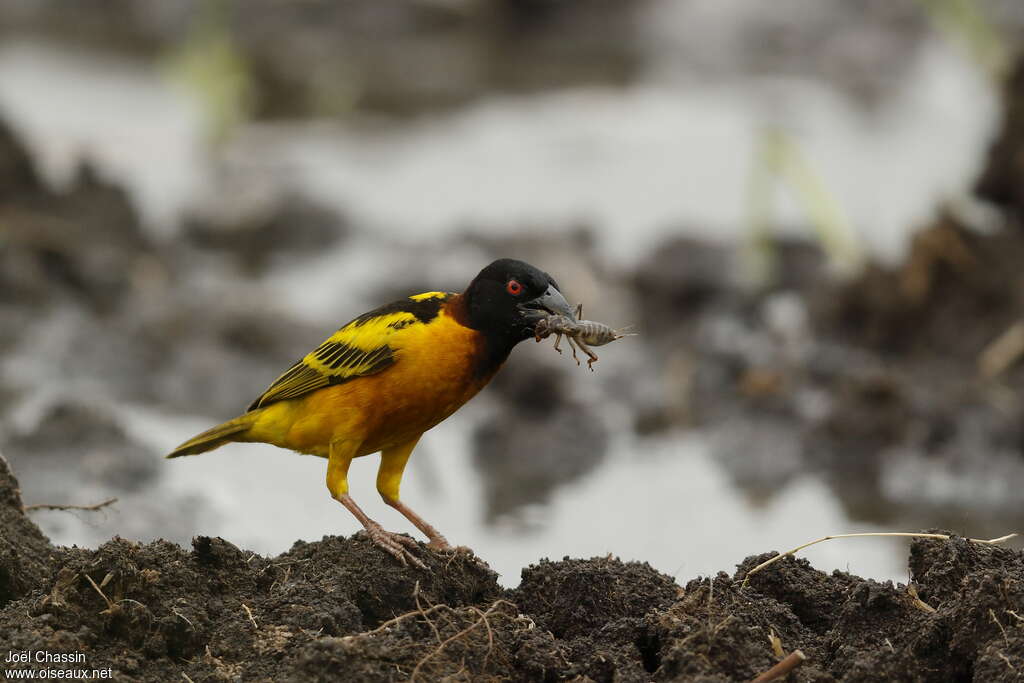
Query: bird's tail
{"x": 215, "y": 437}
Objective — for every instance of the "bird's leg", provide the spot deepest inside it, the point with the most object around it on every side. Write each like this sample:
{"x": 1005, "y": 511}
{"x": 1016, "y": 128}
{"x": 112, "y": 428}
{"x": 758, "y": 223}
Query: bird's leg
{"x": 341, "y": 454}
{"x": 389, "y": 479}
{"x": 390, "y": 542}
{"x": 437, "y": 540}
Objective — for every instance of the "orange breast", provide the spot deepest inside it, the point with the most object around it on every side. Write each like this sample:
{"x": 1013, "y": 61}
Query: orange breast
{"x": 431, "y": 378}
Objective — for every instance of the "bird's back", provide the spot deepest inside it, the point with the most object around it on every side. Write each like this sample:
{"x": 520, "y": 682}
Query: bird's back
{"x": 435, "y": 366}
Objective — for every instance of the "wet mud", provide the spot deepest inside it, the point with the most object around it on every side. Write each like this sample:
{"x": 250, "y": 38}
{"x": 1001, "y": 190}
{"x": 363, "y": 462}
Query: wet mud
{"x": 881, "y": 385}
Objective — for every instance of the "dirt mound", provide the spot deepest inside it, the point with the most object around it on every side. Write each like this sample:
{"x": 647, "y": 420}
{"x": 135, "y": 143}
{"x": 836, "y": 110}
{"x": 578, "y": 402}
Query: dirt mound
{"x": 338, "y": 608}
{"x": 23, "y": 548}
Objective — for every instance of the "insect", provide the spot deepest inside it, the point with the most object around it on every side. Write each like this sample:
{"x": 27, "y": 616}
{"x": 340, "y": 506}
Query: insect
{"x": 580, "y": 333}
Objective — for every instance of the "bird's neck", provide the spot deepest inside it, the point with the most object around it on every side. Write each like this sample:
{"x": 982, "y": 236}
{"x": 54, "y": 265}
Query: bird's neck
{"x": 491, "y": 350}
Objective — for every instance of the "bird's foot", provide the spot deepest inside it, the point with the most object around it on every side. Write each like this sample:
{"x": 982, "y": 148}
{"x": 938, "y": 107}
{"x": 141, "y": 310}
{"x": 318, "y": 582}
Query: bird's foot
{"x": 396, "y": 545}
{"x": 463, "y": 550}
{"x": 463, "y": 554}
{"x": 439, "y": 543}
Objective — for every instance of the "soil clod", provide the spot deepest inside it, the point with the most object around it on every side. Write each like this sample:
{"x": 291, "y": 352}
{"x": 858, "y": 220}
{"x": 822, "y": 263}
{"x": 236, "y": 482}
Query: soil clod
{"x": 340, "y": 607}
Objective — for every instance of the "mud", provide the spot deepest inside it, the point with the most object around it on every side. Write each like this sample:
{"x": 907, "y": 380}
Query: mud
{"x": 338, "y": 609}
{"x": 563, "y": 435}
{"x": 84, "y": 286}
{"x": 1002, "y": 181}
{"x": 338, "y": 59}
{"x": 876, "y": 385}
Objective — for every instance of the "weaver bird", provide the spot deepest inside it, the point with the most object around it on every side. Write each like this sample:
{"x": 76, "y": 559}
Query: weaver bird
{"x": 382, "y": 380}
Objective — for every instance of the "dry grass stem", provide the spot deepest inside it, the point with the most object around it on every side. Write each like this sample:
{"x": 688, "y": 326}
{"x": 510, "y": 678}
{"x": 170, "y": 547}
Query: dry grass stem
{"x": 898, "y": 534}
{"x": 400, "y": 618}
{"x": 87, "y": 508}
{"x": 1002, "y": 353}
{"x": 992, "y": 614}
{"x": 183, "y": 617}
{"x": 111, "y": 605}
{"x": 416, "y": 597}
{"x": 249, "y": 613}
{"x": 484, "y": 616}
{"x": 795, "y": 659}
{"x": 917, "y": 602}
{"x": 490, "y": 636}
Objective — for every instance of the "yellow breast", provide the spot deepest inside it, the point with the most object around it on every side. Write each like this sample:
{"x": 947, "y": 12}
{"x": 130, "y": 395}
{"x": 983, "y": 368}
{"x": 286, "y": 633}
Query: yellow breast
{"x": 433, "y": 375}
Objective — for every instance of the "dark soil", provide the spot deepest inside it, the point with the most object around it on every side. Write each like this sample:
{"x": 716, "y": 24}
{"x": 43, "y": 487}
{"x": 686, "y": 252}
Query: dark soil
{"x": 1002, "y": 181}
{"x": 339, "y": 609}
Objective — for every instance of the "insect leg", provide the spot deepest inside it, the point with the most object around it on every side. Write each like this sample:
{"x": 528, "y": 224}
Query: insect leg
{"x": 591, "y": 354}
{"x": 572, "y": 345}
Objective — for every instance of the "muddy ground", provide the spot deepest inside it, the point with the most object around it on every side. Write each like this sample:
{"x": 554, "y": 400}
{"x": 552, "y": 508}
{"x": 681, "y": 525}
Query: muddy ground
{"x": 880, "y": 385}
{"x": 338, "y": 609}
{"x": 872, "y": 383}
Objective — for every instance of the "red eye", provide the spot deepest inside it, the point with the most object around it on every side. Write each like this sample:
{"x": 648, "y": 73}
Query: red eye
{"x": 514, "y": 288}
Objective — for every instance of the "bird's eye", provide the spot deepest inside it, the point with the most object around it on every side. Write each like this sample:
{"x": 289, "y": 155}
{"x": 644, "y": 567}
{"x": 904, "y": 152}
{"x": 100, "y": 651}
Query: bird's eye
{"x": 514, "y": 288}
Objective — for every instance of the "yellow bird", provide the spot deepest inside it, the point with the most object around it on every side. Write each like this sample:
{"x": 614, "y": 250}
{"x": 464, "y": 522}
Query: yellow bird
{"x": 383, "y": 379}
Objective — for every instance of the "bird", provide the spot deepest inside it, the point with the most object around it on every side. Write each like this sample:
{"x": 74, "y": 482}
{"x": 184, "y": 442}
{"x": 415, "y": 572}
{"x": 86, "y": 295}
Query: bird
{"x": 386, "y": 377}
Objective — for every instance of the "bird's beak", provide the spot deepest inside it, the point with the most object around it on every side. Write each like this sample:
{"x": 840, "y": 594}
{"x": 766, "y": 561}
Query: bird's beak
{"x": 551, "y": 302}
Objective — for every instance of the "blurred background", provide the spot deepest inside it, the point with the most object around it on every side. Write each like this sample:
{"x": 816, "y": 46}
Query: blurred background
{"x": 810, "y": 211}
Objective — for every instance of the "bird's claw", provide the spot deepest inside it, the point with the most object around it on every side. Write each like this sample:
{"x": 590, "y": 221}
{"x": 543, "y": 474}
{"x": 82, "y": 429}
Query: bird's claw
{"x": 440, "y": 544}
{"x": 462, "y": 553}
{"x": 396, "y": 545}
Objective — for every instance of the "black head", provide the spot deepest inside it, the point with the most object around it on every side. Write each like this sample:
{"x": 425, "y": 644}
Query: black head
{"x": 508, "y": 297}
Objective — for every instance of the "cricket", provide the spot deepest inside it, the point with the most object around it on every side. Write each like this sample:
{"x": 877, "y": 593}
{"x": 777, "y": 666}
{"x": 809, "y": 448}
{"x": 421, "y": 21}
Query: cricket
{"x": 580, "y": 334}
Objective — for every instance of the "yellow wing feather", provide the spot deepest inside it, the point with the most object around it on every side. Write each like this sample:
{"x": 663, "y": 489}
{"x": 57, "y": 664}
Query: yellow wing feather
{"x": 362, "y": 347}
